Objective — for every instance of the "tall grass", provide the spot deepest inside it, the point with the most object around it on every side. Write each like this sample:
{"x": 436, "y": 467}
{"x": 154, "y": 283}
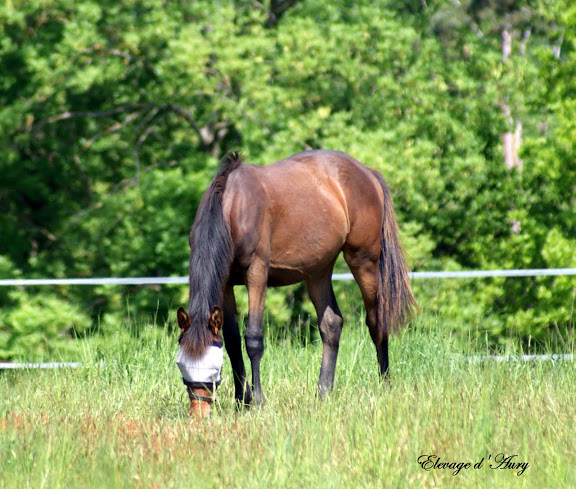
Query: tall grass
{"x": 120, "y": 421}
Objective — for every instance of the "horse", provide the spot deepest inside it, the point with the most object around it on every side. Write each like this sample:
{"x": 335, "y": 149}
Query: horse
{"x": 281, "y": 224}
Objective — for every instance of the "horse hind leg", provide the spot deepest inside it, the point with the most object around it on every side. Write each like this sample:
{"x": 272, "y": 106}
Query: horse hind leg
{"x": 330, "y": 324}
{"x": 366, "y": 273}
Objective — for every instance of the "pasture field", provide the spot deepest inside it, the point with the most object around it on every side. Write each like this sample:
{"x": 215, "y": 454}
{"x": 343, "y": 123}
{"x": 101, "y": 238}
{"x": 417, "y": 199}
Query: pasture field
{"x": 121, "y": 420}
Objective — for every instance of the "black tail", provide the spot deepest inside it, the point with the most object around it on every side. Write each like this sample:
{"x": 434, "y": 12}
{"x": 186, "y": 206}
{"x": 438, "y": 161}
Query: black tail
{"x": 211, "y": 255}
{"x": 396, "y": 303}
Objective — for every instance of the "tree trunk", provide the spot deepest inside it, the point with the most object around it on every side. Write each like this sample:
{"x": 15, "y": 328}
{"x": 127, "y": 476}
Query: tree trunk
{"x": 511, "y": 139}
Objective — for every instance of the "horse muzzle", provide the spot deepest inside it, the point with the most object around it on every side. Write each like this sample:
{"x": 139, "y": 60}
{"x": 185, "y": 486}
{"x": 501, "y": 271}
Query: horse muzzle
{"x": 202, "y": 376}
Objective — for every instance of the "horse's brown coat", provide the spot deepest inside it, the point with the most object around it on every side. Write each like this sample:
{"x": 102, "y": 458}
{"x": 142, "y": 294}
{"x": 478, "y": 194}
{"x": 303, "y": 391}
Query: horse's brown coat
{"x": 299, "y": 213}
{"x": 288, "y": 222}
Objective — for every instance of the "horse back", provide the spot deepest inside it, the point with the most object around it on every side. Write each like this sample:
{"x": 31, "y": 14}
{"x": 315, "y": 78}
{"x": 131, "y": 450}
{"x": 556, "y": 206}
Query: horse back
{"x": 300, "y": 212}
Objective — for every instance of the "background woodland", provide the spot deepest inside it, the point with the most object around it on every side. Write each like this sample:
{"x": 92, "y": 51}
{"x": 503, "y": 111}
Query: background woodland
{"x": 114, "y": 115}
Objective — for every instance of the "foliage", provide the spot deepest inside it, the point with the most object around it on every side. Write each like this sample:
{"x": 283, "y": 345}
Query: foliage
{"x": 113, "y": 116}
{"x": 40, "y": 325}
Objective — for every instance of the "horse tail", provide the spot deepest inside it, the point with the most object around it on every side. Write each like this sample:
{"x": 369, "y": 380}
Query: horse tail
{"x": 211, "y": 256}
{"x": 396, "y": 303}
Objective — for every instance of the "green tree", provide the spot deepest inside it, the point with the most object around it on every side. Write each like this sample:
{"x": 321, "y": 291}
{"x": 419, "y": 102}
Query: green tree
{"x": 113, "y": 116}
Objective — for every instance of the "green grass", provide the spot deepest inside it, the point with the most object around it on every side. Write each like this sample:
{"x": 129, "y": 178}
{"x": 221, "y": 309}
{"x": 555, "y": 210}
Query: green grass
{"x": 121, "y": 420}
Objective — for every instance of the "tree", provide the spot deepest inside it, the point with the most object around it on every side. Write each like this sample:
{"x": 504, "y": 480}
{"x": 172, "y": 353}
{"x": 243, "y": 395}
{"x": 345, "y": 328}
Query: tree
{"x": 113, "y": 116}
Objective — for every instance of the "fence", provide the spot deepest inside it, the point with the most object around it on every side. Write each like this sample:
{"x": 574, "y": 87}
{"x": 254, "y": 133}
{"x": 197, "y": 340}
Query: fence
{"x": 336, "y": 276}
{"x": 554, "y": 357}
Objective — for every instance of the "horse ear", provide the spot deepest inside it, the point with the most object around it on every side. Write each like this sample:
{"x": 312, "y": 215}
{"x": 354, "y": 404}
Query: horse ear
{"x": 183, "y": 319}
{"x": 216, "y": 320}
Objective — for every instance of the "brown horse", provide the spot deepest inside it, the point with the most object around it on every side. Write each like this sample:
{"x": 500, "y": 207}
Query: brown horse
{"x": 275, "y": 225}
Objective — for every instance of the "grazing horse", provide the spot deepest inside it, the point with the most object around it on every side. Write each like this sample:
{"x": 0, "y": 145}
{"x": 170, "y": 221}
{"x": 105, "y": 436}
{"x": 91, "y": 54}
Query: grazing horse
{"x": 275, "y": 225}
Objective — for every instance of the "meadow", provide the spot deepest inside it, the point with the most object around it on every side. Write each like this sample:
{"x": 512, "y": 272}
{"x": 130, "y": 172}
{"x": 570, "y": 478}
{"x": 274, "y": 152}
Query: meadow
{"x": 120, "y": 420}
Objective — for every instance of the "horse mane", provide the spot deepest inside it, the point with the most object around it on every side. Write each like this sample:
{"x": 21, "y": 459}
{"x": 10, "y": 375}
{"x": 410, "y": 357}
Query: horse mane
{"x": 211, "y": 256}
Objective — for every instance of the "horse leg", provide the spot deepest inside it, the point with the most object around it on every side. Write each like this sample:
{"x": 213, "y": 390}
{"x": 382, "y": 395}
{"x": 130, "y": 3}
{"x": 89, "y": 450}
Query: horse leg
{"x": 330, "y": 325}
{"x": 256, "y": 278}
{"x": 365, "y": 273}
{"x": 233, "y": 344}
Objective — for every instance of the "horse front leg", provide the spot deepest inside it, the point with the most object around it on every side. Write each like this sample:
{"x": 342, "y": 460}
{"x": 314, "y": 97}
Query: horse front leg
{"x": 256, "y": 279}
{"x": 233, "y": 344}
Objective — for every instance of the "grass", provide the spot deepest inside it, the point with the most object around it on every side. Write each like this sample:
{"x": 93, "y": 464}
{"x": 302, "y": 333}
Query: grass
{"x": 121, "y": 420}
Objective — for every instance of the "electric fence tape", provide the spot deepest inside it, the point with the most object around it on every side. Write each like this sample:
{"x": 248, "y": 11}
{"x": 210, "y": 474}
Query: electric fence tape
{"x": 336, "y": 276}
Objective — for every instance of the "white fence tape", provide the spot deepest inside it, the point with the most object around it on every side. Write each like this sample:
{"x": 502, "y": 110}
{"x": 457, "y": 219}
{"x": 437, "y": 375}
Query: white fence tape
{"x": 96, "y": 281}
{"x": 336, "y": 276}
{"x": 554, "y": 357}
{"x": 15, "y": 366}
{"x": 496, "y": 273}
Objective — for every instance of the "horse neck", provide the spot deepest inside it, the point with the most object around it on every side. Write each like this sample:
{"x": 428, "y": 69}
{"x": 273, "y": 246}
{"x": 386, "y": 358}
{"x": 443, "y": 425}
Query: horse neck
{"x": 211, "y": 255}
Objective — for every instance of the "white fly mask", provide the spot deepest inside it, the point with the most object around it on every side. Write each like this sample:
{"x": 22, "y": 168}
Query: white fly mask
{"x": 205, "y": 370}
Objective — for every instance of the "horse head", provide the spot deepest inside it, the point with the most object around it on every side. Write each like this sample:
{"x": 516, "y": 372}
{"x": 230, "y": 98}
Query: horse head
{"x": 201, "y": 373}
